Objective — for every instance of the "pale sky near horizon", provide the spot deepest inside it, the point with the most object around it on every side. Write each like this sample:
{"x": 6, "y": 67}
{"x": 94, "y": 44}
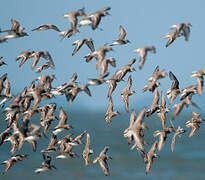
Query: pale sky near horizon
{"x": 146, "y": 22}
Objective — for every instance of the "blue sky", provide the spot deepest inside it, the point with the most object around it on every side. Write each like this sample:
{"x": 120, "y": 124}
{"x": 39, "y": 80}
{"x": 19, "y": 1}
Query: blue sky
{"x": 146, "y": 22}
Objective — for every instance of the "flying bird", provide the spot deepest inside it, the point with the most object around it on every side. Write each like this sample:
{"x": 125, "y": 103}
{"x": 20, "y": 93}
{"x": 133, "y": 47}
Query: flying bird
{"x": 102, "y": 159}
{"x": 162, "y": 111}
{"x": 46, "y": 27}
{"x": 155, "y": 103}
{"x": 172, "y": 36}
{"x": 87, "y": 151}
{"x": 79, "y": 43}
{"x": 162, "y": 136}
{"x": 24, "y": 56}
{"x": 194, "y": 123}
{"x": 136, "y": 131}
{"x": 127, "y": 92}
{"x": 177, "y": 132}
{"x": 173, "y": 92}
{"x": 97, "y": 16}
{"x": 10, "y": 162}
{"x": 46, "y": 164}
{"x": 183, "y": 28}
{"x": 143, "y": 54}
{"x": 150, "y": 156}
{"x": 73, "y": 16}
{"x": 121, "y": 38}
{"x": 200, "y": 79}
{"x": 110, "y": 112}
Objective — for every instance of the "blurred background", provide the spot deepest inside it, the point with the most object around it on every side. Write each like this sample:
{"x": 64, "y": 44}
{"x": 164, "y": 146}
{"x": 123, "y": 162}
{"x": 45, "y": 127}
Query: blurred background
{"x": 146, "y": 22}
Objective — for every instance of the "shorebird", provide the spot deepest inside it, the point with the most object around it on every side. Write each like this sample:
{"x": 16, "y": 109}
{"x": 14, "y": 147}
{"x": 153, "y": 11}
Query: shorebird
{"x": 52, "y": 146}
{"x": 79, "y": 43}
{"x": 136, "y": 131}
{"x": 65, "y": 139}
{"x": 194, "y": 123}
{"x": 178, "y": 108}
{"x": 17, "y": 131}
{"x": 44, "y": 54}
{"x": 7, "y": 95}
{"x": 60, "y": 90}
{"x": 46, "y": 164}
{"x": 16, "y": 31}
{"x": 13, "y": 35}
{"x": 68, "y": 32}
{"x": 113, "y": 84}
{"x": 50, "y": 109}
{"x": 66, "y": 153}
{"x": 87, "y": 151}
{"x": 73, "y": 92}
{"x": 28, "y": 113}
{"x": 104, "y": 64}
{"x": 14, "y": 143}
{"x": 121, "y": 38}
{"x": 183, "y": 28}
{"x": 192, "y": 89}
{"x": 150, "y": 156}
{"x": 4, "y": 134}
{"x": 44, "y": 84}
{"x": 102, "y": 159}
{"x": 25, "y": 55}
{"x": 13, "y": 110}
{"x": 73, "y": 16}
{"x": 66, "y": 148}
{"x": 162, "y": 136}
{"x": 155, "y": 103}
{"x": 153, "y": 80}
{"x": 200, "y": 80}
{"x": 49, "y": 117}
{"x": 171, "y": 36}
{"x": 97, "y": 81}
{"x": 14, "y": 104}
{"x": 77, "y": 140}
{"x": 62, "y": 124}
{"x": 186, "y": 97}
{"x": 143, "y": 54}
{"x": 32, "y": 135}
{"x": 10, "y": 162}
{"x": 127, "y": 92}
{"x": 46, "y": 27}
{"x": 110, "y": 113}
{"x": 38, "y": 95}
{"x": 99, "y": 54}
{"x": 15, "y": 26}
{"x": 120, "y": 73}
{"x": 96, "y": 16}
{"x": 178, "y": 132}
{"x": 173, "y": 92}
{"x": 162, "y": 111}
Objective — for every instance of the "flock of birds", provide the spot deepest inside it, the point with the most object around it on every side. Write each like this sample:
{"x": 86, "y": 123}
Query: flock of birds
{"x": 25, "y": 104}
